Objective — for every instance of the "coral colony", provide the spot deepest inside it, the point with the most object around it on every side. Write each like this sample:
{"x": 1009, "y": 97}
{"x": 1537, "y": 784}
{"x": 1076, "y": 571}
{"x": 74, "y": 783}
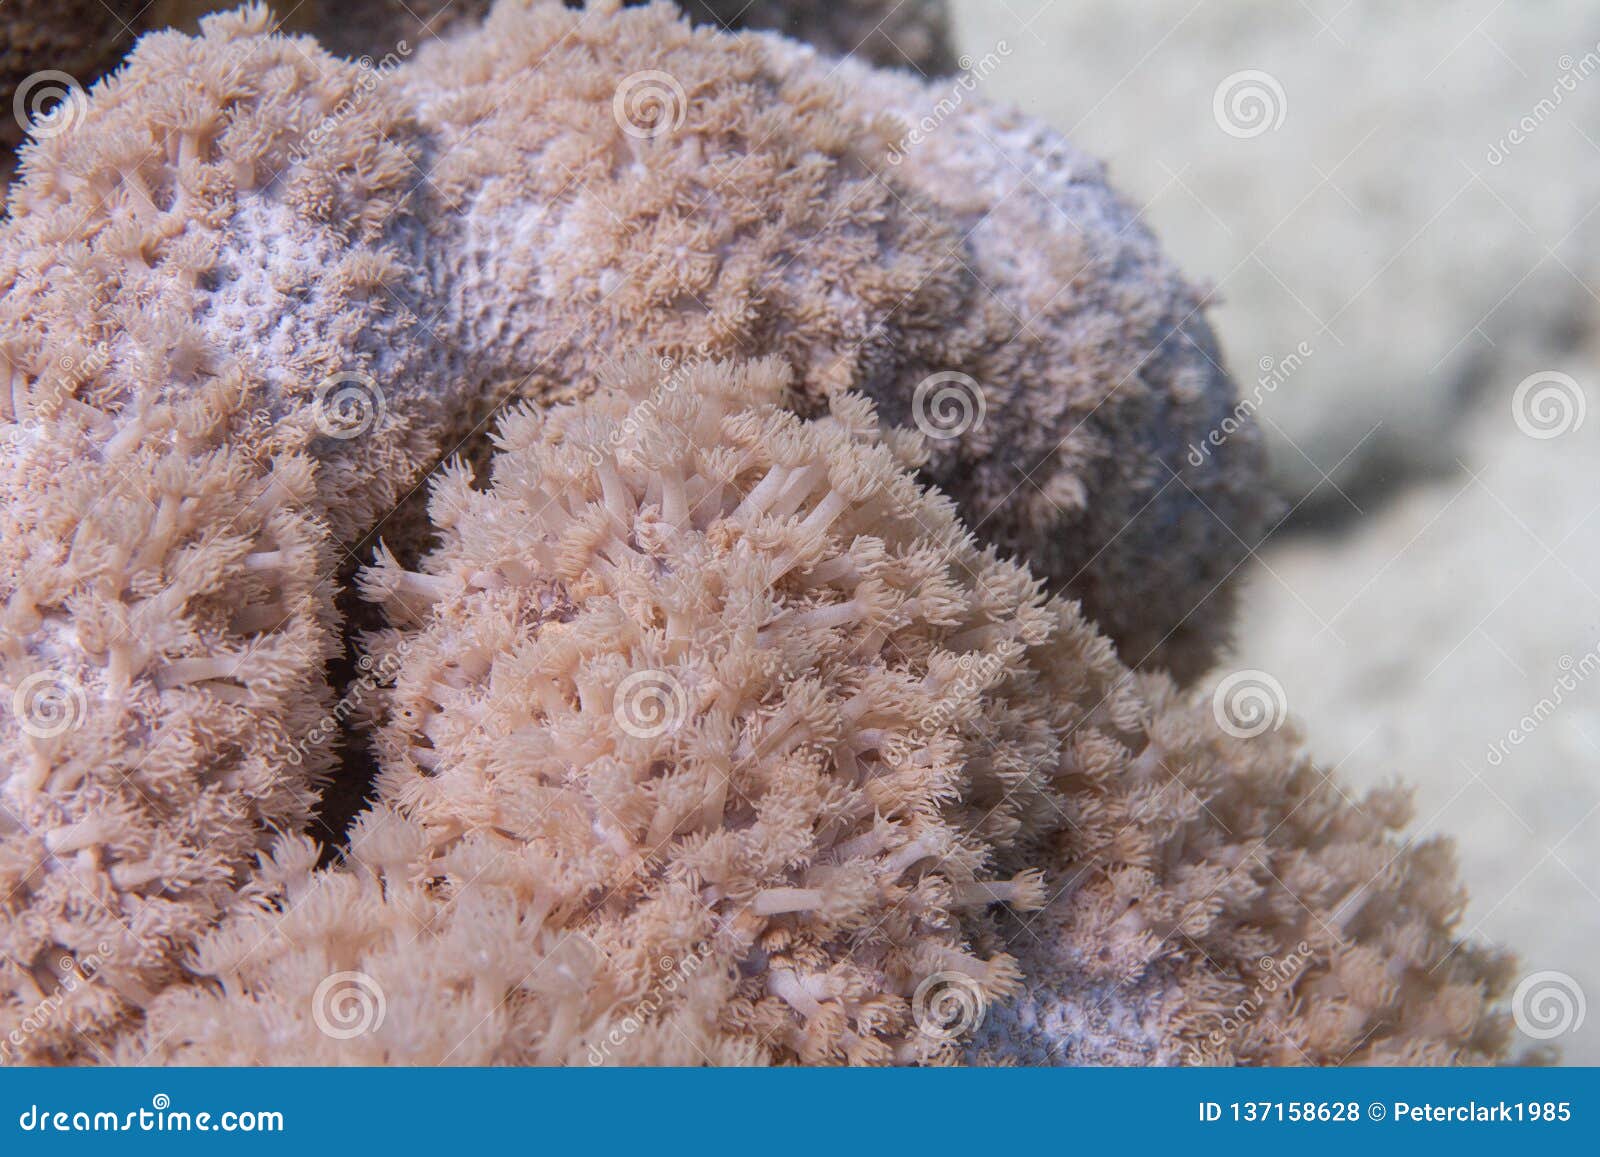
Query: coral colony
{"x": 775, "y": 573}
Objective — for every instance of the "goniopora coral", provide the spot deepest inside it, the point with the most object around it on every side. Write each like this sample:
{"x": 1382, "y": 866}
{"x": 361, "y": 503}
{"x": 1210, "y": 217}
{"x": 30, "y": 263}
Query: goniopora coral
{"x": 259, "y": 293}
{"x": 241, "y": 217}
{"x": 1219, "y": 899}
{"x": 700, "y": 683}
{"x": 692, "y": 672}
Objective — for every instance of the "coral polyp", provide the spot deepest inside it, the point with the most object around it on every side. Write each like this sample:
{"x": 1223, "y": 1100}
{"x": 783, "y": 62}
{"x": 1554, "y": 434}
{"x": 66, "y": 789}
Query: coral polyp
{"x": 693, "y": 671}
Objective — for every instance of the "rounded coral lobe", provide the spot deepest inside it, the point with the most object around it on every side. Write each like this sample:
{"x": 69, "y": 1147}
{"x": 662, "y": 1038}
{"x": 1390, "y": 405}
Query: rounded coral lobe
{"x": 182, "y": 269}
{"x": 1222, "y": 901}
{"x": 601, "y": 180}
{"x": 388, "y": 247}
{"x": 748, "y": 685}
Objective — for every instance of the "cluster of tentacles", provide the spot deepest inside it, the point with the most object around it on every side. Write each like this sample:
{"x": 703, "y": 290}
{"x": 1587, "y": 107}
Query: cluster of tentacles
{"x": 707, "y": 731}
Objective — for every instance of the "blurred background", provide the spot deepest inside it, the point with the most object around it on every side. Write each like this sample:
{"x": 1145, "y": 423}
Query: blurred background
{"x": 1395, "y": 207}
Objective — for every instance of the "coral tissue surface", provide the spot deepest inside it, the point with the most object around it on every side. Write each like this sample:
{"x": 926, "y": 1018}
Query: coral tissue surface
{"x": 709, "y": 728}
